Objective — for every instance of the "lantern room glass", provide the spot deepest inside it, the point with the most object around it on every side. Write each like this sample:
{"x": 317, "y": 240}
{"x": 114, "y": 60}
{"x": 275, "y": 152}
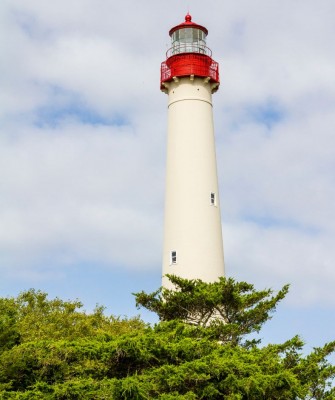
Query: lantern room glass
{"x": 188, "y": 40}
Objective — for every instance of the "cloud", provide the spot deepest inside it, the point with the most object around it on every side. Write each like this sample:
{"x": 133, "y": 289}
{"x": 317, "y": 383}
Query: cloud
{"x": 277, "y": 175}
{"x": 282, "y": 254}
{"x": 71, "y": 191}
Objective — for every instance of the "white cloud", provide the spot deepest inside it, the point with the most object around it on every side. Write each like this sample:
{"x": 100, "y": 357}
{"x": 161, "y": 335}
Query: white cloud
{"x": 276, "y": 255}
{"x": 84, "y": 192}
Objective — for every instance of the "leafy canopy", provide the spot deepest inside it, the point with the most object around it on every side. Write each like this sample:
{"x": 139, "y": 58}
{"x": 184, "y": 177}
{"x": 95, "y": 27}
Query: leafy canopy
{"x": 228, "y": 309}
{"x": 52, "y": 349}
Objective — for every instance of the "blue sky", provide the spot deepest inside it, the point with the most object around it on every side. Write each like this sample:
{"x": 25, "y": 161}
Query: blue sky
{"x": 82, "y": 150}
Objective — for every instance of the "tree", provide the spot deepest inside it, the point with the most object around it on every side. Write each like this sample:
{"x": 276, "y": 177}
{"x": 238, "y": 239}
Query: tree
{"x": 9, "y": 335}
{"x": 198, "y": 350}
{"x": 228, "y": 309}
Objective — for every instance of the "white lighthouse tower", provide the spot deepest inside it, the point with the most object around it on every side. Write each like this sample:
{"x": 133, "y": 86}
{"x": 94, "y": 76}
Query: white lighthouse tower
{"x": 193, "y": 247}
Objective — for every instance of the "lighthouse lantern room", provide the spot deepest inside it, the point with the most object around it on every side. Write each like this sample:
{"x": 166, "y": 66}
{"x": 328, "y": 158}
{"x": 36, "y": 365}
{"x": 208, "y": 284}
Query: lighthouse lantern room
{"x": 193, "y": 247}
{"x": 189, "y": 55}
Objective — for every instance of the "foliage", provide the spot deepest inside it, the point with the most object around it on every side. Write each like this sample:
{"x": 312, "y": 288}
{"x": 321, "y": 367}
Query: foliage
{"x": 51, "y": 349}
{"x": 39, "y": 318}
{"x": 9, "y": 335}
{"x": 228, "y": 309}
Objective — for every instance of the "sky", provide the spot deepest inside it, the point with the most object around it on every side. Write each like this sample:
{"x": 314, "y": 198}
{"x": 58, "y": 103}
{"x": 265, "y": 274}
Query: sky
{"x": 83, "y": 146}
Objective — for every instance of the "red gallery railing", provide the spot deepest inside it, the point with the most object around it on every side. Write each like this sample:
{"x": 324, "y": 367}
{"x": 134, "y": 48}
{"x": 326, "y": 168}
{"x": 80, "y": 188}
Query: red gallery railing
{"x": 187, "y": 64}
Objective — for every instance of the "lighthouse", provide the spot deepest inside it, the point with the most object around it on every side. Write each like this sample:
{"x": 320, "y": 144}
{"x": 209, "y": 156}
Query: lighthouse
{"x": 193, "y": 246}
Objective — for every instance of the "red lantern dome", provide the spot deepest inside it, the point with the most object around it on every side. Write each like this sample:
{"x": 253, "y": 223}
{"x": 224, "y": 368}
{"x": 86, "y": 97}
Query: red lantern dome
{"x": 189, "y": 55}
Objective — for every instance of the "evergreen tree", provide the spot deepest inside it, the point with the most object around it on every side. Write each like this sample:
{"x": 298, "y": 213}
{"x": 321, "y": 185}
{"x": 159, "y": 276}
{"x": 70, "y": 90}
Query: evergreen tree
{"x": 51, "y": 349}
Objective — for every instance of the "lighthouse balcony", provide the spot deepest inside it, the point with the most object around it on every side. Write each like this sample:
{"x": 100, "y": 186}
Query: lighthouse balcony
{"x": 189, "y": 64}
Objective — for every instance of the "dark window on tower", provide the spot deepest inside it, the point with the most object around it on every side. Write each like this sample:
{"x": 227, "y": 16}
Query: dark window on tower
{"x": 213, "y": 199}
{"x": 173, "y": 257}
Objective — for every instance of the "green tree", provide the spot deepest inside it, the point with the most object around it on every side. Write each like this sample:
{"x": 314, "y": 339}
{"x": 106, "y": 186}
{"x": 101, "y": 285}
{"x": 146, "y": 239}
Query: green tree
{"x": 198, "y": 350}
{"x": 228, "y": 309}
{"x": 9, "y": 334}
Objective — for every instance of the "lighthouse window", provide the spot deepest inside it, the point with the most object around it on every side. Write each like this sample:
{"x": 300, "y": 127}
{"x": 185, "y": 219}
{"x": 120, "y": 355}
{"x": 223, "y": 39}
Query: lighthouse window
{"x": 188, "y": 40}
{"x": 213, "y": 199}
{"x": 173, "y": 257}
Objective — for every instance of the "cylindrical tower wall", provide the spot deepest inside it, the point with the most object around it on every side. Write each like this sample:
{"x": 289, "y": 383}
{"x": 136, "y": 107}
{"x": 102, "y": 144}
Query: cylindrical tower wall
{"x": 193, "y": 245}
